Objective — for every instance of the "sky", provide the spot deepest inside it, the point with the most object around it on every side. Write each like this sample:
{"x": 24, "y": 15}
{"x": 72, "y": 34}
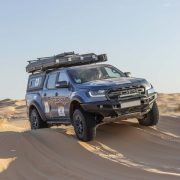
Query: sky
{"x": 139, "y": 36}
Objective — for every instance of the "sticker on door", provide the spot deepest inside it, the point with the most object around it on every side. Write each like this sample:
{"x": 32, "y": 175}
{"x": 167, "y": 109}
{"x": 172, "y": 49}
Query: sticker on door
{"x": 61, "y": 111}
{"x": 47, "y": 109}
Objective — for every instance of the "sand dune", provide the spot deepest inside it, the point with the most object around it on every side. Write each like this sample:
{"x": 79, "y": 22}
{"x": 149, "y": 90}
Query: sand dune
{"x": 122, "y": 150}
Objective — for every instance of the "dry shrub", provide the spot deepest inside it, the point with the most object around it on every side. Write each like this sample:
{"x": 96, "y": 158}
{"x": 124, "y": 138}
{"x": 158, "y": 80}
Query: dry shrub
{"x": 177, "y": 109}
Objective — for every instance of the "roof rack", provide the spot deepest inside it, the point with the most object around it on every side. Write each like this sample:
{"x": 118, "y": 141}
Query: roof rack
{"x": 66, "y": 59}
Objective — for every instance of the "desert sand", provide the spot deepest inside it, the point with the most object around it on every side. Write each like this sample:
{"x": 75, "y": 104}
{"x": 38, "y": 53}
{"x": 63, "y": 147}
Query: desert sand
{"x": 123, "y": 150}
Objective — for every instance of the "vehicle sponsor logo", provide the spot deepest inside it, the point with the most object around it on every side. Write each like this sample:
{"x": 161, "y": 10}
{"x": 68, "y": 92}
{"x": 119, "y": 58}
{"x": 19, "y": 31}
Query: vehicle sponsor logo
{"x": 37, "y": 82}
{"x": 61, "y": 111}
{"x": 46, "y": 105}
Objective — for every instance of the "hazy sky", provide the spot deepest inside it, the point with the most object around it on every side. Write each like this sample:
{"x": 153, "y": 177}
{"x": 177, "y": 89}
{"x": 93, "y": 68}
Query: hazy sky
{"x": 140, "y": 36}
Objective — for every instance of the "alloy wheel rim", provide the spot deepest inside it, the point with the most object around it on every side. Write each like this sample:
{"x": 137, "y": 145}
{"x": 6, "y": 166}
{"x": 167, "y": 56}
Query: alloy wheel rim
{"x": 79, "y": 125}
{"x": 34, "y": 122}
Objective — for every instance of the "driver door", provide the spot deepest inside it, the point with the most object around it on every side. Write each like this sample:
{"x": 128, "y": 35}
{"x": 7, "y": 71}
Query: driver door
{"x": 62, "y": 97}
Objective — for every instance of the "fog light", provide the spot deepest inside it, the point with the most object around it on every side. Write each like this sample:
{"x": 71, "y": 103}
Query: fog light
{"x": 101, "y": 106}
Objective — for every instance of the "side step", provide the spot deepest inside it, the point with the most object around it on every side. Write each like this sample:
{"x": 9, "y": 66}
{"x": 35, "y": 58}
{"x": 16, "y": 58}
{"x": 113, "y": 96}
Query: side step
{"x": 59, "y": 122}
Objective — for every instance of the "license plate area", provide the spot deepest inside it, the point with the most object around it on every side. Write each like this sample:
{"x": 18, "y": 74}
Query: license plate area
{"x": 130, "y": 104}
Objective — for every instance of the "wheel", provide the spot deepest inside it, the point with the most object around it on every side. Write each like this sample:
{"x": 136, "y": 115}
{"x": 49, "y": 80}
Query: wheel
{"x": 84, "y": 125}
{"x": 36, "y": 121}
{"x": 151, "y": 118}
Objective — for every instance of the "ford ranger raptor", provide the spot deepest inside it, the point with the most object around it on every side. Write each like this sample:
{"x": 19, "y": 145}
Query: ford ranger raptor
{"x": 81, "y": 90}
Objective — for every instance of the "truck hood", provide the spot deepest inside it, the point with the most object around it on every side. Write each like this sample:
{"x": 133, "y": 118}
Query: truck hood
{"x": 113, "y": 83}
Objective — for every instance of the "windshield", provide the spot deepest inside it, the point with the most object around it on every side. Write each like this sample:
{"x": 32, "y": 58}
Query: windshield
{"x": 86, "y": 74}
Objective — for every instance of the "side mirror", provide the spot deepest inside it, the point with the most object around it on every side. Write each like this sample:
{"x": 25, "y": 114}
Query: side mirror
{"x": 62, "y": 84}
{"x": 127, "y": 74}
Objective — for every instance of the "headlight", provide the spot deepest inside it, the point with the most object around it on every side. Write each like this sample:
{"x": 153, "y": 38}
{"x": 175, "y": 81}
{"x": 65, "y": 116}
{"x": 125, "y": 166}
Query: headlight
{"x": 148, "y": 85}
{"x": 99, "y": 93}
{"x": 150, "y": 91}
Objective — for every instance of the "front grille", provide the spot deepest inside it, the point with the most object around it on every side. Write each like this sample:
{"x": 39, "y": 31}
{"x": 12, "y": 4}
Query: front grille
{"x": 125, "y": 92}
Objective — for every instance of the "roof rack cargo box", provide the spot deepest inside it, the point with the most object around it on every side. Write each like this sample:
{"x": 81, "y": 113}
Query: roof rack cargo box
{"x": 66, "y": 59}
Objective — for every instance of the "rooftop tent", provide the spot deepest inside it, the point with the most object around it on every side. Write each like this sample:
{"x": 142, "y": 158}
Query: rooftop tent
{"x": 66, "y": 59}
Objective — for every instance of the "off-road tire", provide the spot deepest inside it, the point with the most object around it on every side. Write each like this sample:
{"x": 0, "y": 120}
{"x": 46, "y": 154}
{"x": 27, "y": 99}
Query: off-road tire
{"x": 151, "y": 118}
{"x": 36, "y": 121}
{"x": 84, "y": 125}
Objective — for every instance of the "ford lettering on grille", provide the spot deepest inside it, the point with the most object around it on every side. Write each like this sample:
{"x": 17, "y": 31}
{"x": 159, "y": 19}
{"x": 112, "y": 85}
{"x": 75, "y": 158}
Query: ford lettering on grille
{"x": 126, "y": 92}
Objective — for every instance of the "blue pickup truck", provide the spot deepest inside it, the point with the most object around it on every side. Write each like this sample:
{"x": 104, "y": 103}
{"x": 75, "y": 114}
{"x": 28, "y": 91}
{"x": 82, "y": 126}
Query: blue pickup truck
{"x": 83, "y": 91}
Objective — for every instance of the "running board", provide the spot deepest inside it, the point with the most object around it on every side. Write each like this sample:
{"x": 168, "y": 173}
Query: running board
{"x": 58, "y": 122}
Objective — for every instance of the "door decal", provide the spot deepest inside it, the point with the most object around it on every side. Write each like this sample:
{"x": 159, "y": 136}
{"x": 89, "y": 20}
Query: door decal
{"x": 47, "y": 109}
{"x": 61, "y": 111}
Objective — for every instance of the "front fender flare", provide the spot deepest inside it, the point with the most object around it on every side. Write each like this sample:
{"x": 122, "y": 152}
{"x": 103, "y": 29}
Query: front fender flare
{"x": 78, "y": 99}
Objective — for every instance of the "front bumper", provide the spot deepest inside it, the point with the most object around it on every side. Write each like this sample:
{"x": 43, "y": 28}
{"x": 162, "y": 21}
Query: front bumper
{"x": 111, "y": 108}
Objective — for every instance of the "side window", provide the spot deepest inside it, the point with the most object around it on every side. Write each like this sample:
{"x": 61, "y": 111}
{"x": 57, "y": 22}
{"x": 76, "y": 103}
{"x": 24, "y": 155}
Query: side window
{"x": 35, "y": 83}
{"x": 51, "y": 81}
{"x": 63, "y": 77}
